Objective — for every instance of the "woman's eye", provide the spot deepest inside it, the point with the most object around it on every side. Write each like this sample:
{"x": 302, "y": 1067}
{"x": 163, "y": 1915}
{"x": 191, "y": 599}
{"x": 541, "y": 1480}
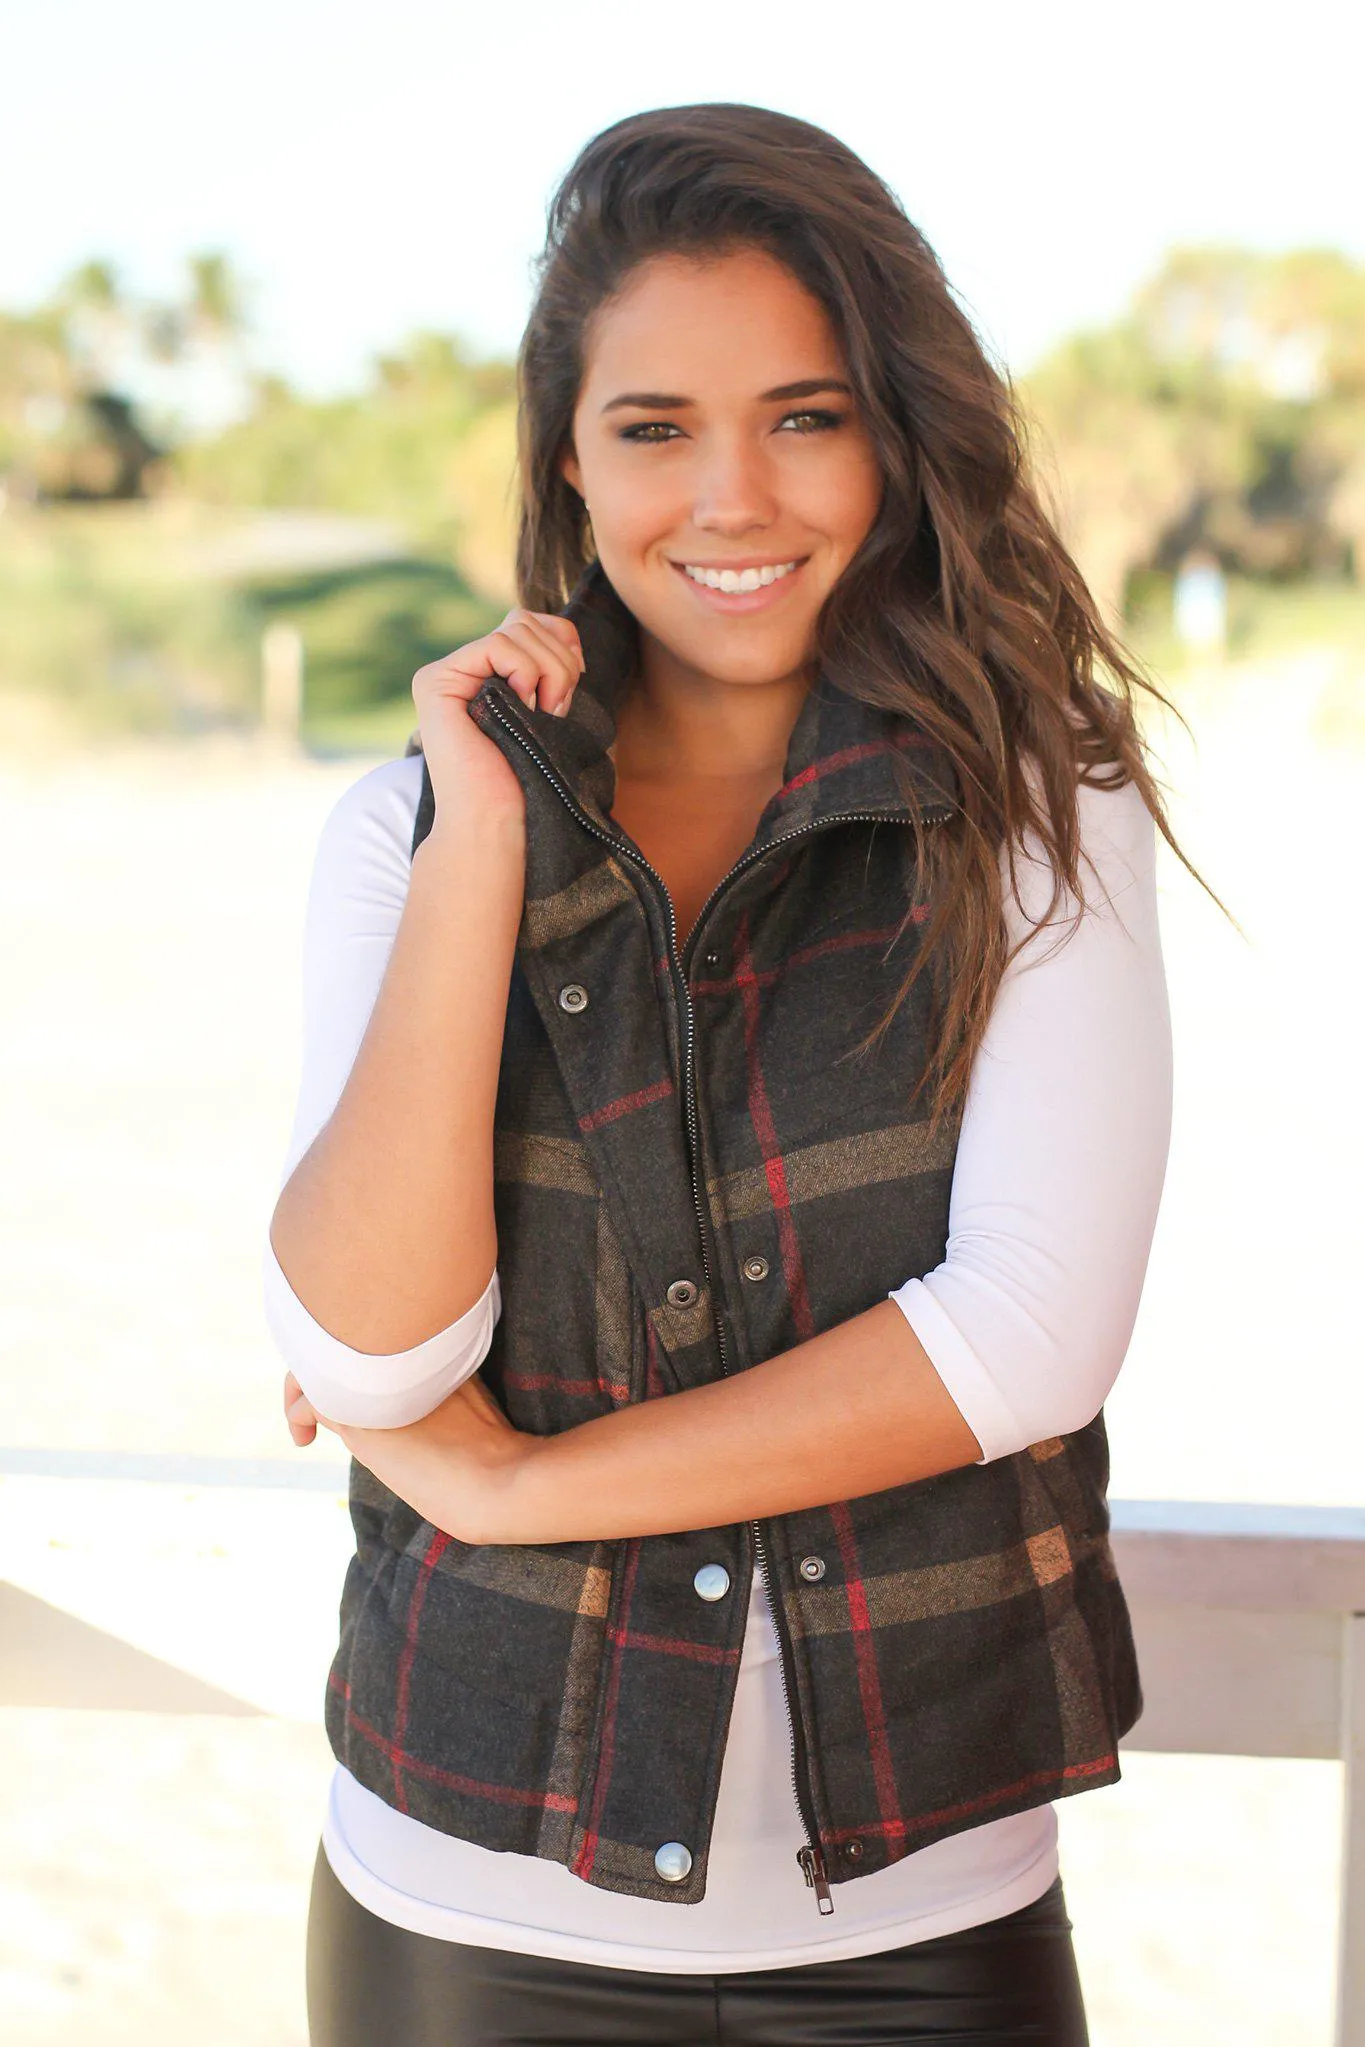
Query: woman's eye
{"x": 822, "y": 421}
{"x": 655, "y": 432}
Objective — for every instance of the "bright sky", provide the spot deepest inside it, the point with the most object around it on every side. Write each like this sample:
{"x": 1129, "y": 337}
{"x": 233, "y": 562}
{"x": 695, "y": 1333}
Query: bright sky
{"x": 372, "y": 169}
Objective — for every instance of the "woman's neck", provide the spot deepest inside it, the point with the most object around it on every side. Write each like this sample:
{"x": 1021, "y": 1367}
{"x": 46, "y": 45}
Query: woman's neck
{"x": 676, "y": 724}
{"x": 697, "y": 762}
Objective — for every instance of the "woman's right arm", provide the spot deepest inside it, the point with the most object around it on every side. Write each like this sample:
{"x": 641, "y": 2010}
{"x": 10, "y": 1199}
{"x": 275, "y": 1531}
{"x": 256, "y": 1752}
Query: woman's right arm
{"x": 384, "y": 1229}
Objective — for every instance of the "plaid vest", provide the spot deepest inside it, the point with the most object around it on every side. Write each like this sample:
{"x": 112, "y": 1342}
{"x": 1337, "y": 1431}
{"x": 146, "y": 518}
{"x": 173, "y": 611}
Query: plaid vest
{"x": 690, "y": 1177}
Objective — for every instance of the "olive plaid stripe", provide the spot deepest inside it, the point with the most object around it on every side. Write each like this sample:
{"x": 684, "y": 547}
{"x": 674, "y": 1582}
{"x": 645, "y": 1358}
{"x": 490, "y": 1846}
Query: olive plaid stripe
{"x": 961, "y": 1648}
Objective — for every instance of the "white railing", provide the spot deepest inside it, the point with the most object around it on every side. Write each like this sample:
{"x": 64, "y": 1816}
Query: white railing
{"x": 1250, "y": 1625}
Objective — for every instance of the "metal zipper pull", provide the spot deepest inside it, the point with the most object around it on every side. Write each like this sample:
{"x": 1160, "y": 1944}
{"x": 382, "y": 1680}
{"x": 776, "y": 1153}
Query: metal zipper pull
{"x": 812, "y": 1864}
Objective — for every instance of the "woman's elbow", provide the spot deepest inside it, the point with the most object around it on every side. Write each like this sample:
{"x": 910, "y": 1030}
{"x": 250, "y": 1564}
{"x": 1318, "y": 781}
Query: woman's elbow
{"x": 1074, "y": 1392}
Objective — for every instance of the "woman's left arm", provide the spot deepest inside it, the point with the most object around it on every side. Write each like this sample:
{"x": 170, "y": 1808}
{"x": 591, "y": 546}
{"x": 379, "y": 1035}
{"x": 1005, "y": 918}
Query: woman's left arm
{"x": 1017, "y": 1335}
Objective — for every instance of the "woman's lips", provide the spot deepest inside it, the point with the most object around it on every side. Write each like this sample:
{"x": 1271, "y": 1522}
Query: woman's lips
{"x": 742, "y": 600}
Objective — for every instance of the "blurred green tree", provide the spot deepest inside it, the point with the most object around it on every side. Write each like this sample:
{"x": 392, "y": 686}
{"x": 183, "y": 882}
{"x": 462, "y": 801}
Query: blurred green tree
{"x": 429, "y": 443}
{"x": 1225, "y": 410}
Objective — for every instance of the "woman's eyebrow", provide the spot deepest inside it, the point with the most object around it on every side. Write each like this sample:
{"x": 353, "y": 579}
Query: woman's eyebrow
{"x": 671, "y": 401}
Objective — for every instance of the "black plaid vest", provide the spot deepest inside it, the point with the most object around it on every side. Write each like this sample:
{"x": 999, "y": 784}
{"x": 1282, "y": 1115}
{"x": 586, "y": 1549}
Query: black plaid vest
{"x": 690, "y": 1177}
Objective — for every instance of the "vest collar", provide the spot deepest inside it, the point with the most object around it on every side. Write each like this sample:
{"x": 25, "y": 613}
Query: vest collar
{"x": 845, "y": 758}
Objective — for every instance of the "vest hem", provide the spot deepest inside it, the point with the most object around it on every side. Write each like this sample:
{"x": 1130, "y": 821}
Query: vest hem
{"x": 417, "y": 1915}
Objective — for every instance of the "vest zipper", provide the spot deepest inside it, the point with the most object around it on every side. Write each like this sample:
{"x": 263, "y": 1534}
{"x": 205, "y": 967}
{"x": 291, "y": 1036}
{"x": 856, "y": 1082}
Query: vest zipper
{"x": 810, "y": 1856}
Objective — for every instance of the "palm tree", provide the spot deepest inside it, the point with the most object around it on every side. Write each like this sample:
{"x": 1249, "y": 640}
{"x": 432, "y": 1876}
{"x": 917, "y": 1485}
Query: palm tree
{"x": 217, "y": 298}
{"x": 100, "y": 323}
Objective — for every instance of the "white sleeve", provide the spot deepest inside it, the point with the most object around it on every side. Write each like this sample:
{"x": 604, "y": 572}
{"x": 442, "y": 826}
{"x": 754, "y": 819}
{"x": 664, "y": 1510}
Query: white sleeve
{"x": 1062, "y": 1149}
{"x": 356, "y": 895}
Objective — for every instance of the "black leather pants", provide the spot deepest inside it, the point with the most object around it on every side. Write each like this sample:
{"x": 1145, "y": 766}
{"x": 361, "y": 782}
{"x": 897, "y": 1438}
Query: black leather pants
{"x": 371, "y": 1984}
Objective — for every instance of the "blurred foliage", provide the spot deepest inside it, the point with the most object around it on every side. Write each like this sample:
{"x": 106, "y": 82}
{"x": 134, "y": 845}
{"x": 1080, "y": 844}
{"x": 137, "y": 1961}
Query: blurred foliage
{"x": 126, "y": 616}
{"x": 368, "y": 629}
{"x": 1225, "y": 410}
{"x": 104, "y": 397}
{"x": 100, "y": 619}
{"x": 92, "y": 384}
{"x": 379, "y": 524}
{"x": 430, "y": 443}
{"x": 1267, "y": 618}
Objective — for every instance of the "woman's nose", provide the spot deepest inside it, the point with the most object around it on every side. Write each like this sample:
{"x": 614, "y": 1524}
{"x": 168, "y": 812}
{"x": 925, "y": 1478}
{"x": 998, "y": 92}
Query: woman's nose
{"x": 733, "y": 491}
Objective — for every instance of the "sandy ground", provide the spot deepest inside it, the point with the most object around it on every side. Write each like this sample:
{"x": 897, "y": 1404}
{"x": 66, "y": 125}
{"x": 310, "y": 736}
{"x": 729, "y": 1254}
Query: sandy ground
{"x": 153, "y": 1869}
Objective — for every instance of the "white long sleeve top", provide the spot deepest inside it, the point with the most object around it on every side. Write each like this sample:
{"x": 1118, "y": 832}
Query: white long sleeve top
{"x": 1056, "y": 1184}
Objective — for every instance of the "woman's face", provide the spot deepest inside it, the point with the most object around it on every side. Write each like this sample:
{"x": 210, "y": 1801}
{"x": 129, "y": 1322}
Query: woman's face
{"x": 716, "y": 431}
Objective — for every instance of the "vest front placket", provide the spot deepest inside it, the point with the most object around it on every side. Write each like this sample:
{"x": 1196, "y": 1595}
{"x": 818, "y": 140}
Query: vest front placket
{"x": 595, "y": 947}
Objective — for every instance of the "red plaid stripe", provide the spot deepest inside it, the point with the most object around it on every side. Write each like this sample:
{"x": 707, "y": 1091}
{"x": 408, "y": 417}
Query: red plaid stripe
{"x": 848, "y": 757}
{"x": 1038, "y": 1780}
{"x": 654, "y": 1384}
{"x": 403, "y": 1689}
{"x": 554, "y": 1382}
{"x": 806, "y": 955}
{"x": 404, "y": 1763}
{"x": 765, "y": 1130}
{"x": 672, "y": 1645}
{"x": 587, "y": 1852}
{"x": 625, "y": 1105}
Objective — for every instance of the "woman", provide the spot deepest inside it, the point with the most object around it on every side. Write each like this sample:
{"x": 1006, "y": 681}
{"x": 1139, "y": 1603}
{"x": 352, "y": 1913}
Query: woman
{"x": 709, "y": 1180}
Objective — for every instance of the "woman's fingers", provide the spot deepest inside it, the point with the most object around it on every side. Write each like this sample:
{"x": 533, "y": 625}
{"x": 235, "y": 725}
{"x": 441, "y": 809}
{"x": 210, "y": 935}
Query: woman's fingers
{"x": 538, "y": 653}
{"x": 541, "y": 668}
{"x": 298, "y": 1412}
{"x": 562, "y": 633}
{"x": 561, "y": 655}
{"x": 563, "y": 629}
{"x": 460, "y": 675}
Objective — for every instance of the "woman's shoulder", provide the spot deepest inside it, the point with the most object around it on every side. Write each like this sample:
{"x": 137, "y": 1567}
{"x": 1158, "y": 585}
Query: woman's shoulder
{"x": 1116, "y": 848}
{"x": 364, "y": 850}
{"x": 1112, "y": 814}
{"x": 1117, "y": 830}
{"x": 379, "y": 807}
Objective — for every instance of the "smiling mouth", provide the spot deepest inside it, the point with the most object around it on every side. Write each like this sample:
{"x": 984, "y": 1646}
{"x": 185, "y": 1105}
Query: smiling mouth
{"x": 739, "y": 582}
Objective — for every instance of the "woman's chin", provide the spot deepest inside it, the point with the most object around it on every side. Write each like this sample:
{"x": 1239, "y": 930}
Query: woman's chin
{"x": 736, "y": 651}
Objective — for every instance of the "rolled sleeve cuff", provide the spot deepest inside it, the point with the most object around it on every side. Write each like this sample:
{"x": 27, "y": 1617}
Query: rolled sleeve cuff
{"x": 368, "y": 1391}
{"x": 974, "y": 1392}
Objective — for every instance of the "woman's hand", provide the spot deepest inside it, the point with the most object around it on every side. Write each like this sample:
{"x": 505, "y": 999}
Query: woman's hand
{"x": 540, "y": 655}
{"x": 454, "y": 1467}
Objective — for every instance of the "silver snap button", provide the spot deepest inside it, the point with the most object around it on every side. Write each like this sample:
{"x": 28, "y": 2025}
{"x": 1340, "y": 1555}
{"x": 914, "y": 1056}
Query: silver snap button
{"x": 573, "y": 998}
{"x": 812, "y": 1568}
{"x": 853, "y": 1850}
{"x": 672, "y": 1861}
{"x": 712, "y": 959}
{"x": 712, "y": 1581}
{"x": 682, "y": 1293}
{"x": 755, "y": 1268}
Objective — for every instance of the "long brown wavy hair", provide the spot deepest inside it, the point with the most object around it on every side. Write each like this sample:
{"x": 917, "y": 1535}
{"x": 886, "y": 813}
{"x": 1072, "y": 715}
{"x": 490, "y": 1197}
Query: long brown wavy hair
{"x": 962, "y": 611}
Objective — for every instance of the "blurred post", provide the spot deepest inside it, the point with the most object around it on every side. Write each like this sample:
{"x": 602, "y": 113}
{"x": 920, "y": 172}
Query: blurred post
{"x": 282, "y": 686}
{"x": 1350, "y": 2011}
{"x": 1200, "y": 604}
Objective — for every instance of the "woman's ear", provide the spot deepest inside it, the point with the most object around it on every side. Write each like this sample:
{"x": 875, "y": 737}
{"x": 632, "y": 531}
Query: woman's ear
{"x": 569, "y": 469}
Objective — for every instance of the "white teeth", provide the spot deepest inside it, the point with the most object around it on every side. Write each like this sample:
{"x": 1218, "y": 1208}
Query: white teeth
{"x": 739, "y": 579}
